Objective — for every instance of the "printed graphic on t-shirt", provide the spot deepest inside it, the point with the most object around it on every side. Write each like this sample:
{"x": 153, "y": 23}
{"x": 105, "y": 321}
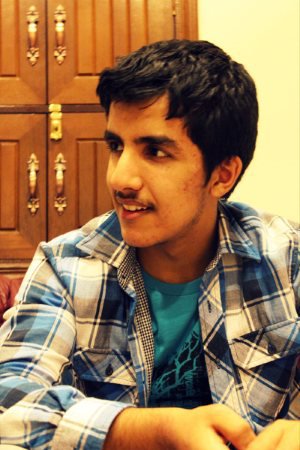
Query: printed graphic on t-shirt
{"x": 183, "y": 382}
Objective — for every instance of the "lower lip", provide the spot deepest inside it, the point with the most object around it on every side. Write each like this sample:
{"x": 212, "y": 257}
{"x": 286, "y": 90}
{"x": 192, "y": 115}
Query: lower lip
{"x": 131, "y": 215}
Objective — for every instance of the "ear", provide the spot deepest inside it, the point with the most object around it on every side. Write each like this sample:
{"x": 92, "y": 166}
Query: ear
{"x": 224, "y": 176}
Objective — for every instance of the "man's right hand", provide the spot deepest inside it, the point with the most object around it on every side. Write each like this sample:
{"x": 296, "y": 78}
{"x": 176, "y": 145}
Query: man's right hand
{"x": 203, "y": 428}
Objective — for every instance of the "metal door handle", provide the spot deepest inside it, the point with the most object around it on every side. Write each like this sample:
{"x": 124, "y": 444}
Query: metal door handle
{"x": 33, "y": 51}
{"x": 60, "y": 201}
{"x": 33, "y": 203}
{"x": 60, "y": 51}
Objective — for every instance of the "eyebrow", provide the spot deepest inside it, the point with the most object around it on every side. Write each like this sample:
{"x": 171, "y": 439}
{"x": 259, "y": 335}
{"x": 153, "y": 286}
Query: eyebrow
{"x": 152, "y": 140}
{"x": 156, "y": 140}
{"x": 110, "y": 136}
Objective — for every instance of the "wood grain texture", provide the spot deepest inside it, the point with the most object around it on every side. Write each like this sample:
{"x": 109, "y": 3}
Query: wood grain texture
{"x": 8, "y": 185}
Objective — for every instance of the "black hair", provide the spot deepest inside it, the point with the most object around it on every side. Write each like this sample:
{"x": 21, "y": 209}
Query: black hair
{"x": 214, "y": 95}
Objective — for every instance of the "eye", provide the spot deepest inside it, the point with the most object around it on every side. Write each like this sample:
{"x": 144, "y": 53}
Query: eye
{"x": 114, "y": 146}
{"x": 156, "y": 152}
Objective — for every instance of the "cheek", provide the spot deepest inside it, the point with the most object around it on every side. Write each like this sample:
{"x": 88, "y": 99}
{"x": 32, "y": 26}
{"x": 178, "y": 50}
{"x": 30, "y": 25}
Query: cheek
{"x": 180, "y": 195}
{"x": 193, "y": 185}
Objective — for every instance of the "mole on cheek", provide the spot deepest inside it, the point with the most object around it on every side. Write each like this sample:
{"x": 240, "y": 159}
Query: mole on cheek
{"x": 185, "y": 187}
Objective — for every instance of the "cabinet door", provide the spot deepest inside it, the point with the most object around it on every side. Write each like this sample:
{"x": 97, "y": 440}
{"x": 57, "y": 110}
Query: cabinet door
{"x": 95, "y": 33}
{"x": 22, "y": 81}
{"x": 82, "y": 37}
{"x": 21, "y": 227}
{"x": 77, "y": 173}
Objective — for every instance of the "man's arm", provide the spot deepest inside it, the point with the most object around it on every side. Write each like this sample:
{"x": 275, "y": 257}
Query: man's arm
{"x": 285, "y": 434}
{"x": 202, "y": 428}
{"x": 36, "y": 344}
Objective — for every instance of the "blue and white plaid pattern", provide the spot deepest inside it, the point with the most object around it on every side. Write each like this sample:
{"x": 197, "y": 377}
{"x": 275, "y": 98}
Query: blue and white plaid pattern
{"x": 79, "y": 348}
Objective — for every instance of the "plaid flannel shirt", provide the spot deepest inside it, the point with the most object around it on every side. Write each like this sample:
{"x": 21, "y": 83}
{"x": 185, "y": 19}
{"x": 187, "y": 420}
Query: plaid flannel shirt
{"x": 79, "y": 347}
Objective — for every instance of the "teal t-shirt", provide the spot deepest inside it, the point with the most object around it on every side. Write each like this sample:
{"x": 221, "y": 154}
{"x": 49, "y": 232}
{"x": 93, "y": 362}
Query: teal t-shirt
{"x": 179, "y": 377}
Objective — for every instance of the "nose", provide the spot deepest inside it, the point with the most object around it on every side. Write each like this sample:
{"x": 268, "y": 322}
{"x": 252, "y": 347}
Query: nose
{"x": 123, "y": 172}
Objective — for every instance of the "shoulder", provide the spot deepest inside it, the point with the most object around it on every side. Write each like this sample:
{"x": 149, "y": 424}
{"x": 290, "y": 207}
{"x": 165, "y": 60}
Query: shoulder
{"x": 257, "y": 221}
{"x": 267, "y": 233}
{"x": 83, "y": 242}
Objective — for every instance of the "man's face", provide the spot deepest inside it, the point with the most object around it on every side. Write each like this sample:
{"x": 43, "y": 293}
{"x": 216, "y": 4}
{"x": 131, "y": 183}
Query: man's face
{"x": 155, "y": 176}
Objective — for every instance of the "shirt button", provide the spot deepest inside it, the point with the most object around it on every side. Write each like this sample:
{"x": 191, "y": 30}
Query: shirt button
{"x": 271, "y": 349}
{"x": 109, "y": 370}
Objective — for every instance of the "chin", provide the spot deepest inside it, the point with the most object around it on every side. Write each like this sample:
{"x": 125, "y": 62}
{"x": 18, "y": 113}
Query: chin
{"x": 138, "y": 240}
{"x": 138, "y": 243}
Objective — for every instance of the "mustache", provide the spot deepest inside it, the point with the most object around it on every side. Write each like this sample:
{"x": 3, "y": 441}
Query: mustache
{"x": 126, "y": 195}
{"x": 131, "y": 195}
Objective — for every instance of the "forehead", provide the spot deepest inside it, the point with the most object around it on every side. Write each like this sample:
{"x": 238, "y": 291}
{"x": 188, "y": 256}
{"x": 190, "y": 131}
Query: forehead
{"x": 143, "y": 117}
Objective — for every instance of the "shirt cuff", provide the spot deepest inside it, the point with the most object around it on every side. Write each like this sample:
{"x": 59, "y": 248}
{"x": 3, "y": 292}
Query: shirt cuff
{"x": 85, "y": 424}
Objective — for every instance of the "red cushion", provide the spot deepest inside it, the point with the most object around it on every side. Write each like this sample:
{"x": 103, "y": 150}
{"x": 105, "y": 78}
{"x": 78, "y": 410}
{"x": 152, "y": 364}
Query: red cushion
{"x": 8, "y": 290}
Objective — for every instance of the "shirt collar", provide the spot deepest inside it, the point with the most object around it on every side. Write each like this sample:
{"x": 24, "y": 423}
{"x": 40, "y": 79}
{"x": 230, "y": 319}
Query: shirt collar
{"x": 103, "y": 239}
{"x": 235, "y": 226}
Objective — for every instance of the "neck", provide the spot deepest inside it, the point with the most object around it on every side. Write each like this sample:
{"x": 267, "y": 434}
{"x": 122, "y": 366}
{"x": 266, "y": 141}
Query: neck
{"x": 183, "y": 261}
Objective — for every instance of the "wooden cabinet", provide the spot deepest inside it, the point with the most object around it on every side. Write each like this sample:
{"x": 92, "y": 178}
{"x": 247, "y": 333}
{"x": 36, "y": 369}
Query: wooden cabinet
{"x": 51, "y": 52}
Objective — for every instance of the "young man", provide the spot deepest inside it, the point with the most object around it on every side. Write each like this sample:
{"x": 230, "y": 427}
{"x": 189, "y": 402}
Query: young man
{"x": 179, "y": 302}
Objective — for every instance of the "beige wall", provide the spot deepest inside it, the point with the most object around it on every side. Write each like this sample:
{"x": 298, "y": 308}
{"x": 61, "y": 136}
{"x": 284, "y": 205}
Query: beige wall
{"x": 264, "y": 36}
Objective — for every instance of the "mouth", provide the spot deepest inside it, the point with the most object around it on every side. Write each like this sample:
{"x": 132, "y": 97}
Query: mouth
{"x": 134, "y": 208}
{"x": 133, "y": 211}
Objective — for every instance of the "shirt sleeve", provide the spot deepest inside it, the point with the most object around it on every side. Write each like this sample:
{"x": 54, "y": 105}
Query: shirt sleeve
{"x": 36, "y": 409}
{"x": 296, "y": 275}
{"x": 294, "y": 409}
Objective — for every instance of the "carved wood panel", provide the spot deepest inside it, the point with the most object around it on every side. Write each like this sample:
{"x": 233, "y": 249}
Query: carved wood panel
{"x": 96, "y": 33}
{"x": 20, "y": 230}
{"x": 21, "y": 82}
{"x": 86, "y": 157}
